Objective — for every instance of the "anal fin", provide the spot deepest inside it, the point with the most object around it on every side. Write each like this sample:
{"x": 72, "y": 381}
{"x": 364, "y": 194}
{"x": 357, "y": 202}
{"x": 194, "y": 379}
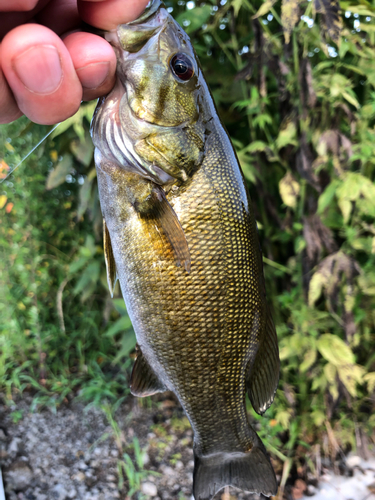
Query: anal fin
{"x": 109, "y": 259}
{"x": 144, "y": 381}
{"x": 263, "y": 375}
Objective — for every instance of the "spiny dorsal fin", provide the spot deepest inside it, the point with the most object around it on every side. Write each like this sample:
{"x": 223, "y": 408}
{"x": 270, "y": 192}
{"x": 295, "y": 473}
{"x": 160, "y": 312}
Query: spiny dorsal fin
{"x": 144, "y": 382}
{"x": 109, "y": 259}
{"x": 263, "y": 375}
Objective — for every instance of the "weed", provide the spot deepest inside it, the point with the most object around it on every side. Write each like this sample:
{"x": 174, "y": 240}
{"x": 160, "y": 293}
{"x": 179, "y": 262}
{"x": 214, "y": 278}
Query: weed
{"x": 133, "y": 471}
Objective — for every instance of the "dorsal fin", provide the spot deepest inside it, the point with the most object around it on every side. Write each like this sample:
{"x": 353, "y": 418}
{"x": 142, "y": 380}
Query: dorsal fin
{"x": 144, "y": 381}
{"x": 263, "y": 374}
{"x": 109, "y": 259}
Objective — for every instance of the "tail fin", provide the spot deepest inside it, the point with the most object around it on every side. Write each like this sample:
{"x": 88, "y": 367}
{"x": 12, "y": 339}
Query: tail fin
{"x": 250, "y": 471}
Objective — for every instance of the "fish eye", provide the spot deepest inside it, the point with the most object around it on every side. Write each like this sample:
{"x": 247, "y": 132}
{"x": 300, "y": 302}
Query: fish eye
{"x": 182, "y": 66}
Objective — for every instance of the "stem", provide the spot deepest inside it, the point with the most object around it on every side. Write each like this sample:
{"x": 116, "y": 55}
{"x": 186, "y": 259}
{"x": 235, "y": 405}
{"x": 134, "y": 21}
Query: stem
{"x": 276, "y": 265}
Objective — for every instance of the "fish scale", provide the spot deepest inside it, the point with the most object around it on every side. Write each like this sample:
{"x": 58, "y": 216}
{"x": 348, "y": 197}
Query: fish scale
{"x": 185, "y": 250}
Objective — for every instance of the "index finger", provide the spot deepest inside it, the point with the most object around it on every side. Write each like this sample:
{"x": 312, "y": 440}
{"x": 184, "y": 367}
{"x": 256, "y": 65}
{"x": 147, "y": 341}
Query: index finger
{"x": 107, "y": 14}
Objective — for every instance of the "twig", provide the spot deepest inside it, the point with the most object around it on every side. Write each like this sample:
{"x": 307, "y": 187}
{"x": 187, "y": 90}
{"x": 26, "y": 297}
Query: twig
{"x": 59, "y": 305}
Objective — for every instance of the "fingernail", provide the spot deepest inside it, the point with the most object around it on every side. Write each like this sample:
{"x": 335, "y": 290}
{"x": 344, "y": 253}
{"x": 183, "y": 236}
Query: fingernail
{"x": 39, "y": 69}
{"x": 93, "y": 75}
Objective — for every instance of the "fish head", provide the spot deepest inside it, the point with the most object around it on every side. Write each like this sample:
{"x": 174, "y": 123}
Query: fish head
{"x": 160, "y": 120}
{"x": 159, "y": 70}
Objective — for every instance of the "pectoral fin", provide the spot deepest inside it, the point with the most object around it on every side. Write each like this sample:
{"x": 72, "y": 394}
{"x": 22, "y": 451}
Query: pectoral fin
{"x": 109, "y": 259}
{"x": 144, "y": 381}
{"x": 171, "y": 226}
{"x": 263, "y": 375}
{"x": 150, "y": 202}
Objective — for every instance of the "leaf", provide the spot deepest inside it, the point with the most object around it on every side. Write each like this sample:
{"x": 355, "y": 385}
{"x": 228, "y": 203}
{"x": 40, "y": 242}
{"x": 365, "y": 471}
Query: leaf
{"x": 334, "y": 350}
{"x": 85, "y": 111}
{"x": 261, "y": 120}
{"x": 326, "y": 198}
{"x": 350, "y": 376}
{"x": 236, "y": 4}
{"x": 83, "y": 150}
{"x": 287, "y": 136}
{"x": 370, "y": 379}
{"x": 90, "y": 275}
{"x": 264, "y": 8}
{"x": 290, "y": 16}
{"x": 193, "y": 19}
{"x": 58, "y": 175}
{"x": 85, "y": 194}
{"x": 120, "y": 325}
{"x": 331, "y": 18}
{"x": 308, "y": 360}
{"x": 289, "y": 190}
{"x": 120, "y": 306}
{"x": 316, "y": 287}
{"x": 3, "y": 200}
{"x": 256, "y": 146}
{"x": 350, "y": 97}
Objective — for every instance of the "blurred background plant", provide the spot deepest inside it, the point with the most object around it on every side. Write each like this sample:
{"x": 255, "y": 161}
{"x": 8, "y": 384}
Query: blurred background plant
{"x": 294, "y": 82}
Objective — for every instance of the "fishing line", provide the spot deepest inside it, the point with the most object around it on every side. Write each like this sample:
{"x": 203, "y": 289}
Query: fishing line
{"x": 29, "y": 153}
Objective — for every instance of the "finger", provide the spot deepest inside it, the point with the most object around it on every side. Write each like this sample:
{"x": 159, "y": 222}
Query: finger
{"x": 40, "y": 73}
{"x": 107, "y": 14}
{"x": 17, "y": 5}
{"x": 60, "y": 16}
{"x": 94, "y": 61}
{"x": 9, "y": 110}
{"x": 15, "y": 17}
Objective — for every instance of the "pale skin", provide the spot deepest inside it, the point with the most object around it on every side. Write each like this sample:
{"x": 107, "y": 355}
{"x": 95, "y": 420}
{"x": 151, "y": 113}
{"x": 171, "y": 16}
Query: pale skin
{"x": 47, "y": 64}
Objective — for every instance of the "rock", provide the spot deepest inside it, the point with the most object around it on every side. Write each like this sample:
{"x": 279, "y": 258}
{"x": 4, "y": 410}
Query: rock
{"x": 15, "y": 446}
{"x": 81, "y": 465}
{"x": 59, "y": 492}
{"x": 18, "y": 477}
{"x": 78, "y": 477}
{"x": 41, "y": 496}
{"x": 149, "y": 489}
{"x": 179, "y": 465}
{"x": 353, "y": 461}
{"x": 72, "y": 493}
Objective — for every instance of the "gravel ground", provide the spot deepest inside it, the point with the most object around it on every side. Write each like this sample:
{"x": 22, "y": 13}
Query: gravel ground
{"x": 74, "y": 454}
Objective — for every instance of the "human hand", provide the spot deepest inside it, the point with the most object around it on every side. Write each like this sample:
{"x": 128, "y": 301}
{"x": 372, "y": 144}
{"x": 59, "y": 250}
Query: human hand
{"x": 47, "y": 65}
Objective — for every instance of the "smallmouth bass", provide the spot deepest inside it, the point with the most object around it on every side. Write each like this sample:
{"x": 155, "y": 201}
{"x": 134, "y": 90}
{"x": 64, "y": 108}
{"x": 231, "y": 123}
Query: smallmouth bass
{"x": 180, "y": 235}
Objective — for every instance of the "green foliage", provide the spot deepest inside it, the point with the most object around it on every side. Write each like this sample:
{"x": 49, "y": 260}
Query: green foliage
{"x": 57, "y": 319}
{"x": 132, "y": 470}
{"x": 294, "y": 82}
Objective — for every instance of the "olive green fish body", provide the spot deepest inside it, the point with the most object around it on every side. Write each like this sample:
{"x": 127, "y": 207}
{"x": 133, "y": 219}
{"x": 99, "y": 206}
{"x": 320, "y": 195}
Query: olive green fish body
{"x": 186, "y": 252}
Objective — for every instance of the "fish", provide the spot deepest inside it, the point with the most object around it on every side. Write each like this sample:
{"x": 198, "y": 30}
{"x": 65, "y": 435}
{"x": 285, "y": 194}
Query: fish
{"x": 180, "y": 236}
